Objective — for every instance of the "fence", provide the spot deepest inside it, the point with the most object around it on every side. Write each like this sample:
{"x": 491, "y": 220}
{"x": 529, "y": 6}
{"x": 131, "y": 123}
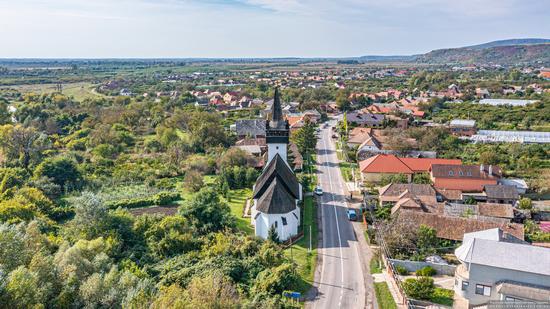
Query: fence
{"x": 412, "y": 266}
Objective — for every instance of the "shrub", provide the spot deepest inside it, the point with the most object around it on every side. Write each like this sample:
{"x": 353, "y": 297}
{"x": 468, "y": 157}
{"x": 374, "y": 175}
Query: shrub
{"x": 401, "y": 270}
{"x": 162, "y": 198}
{"x": 427, "y": 271}
{"x": 443, "y": 297}
{"x": 420, "y": 288}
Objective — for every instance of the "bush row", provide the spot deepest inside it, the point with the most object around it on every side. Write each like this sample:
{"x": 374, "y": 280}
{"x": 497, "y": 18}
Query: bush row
{"x": 161, "y": 198}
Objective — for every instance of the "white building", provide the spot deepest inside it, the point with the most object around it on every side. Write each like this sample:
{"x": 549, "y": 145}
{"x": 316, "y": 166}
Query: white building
{"x": 499, "y": 268}
{"x": 277, "y": 191}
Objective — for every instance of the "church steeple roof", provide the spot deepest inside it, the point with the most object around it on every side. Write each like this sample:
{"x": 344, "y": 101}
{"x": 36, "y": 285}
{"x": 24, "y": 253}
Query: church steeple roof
{"x": 276, "y": 117}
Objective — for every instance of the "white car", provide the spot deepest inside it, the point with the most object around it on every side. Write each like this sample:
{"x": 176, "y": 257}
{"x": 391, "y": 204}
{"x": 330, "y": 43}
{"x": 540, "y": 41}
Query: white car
{"x": 318, "y": 190}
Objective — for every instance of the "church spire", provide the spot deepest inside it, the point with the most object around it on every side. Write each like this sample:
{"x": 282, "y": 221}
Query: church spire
{"x": 276, "y": 117}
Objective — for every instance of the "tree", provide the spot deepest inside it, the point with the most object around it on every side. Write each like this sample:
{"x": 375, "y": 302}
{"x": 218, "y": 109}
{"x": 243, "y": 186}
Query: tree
{"x": 276, "y": 280}
{"x": 213, "y": 290}
{"x": 422, "y": 178}
{"x": 419, "y": 288}
{"x": 169, "y": 237}
{"x": 22, "y": 145}
{"x": 91, "y": 217}
{"x": 14, "y": 250}
{"x": 236, "y": 157}
{"x": 206, "y": 212}
{"x": 488, "y": 158}
{"x": 24, "y": 289}
{"x": 305, "y": 138}
{"x": 525, "y": 203}
{"x": 427, "y": 239}
{"x": 342, "y": 101}
{"x": 273, "y": 235}
{"x": 193, "y": 181}
{"x": 62, "y": 170}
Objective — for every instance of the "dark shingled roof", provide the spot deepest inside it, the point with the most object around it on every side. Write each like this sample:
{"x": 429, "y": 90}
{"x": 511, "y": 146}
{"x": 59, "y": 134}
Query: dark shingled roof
{"x": 501, "y": 192}
{"x": 250, "y": 127}
{"x": 277, "y": 169}
{"x": 276, "y": 199}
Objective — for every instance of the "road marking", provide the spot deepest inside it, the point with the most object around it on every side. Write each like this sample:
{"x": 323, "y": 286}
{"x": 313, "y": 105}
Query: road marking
{"x": 337, "y": 224}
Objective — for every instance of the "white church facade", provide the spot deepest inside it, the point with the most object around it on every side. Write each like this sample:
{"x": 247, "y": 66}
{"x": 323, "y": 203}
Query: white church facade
{"x": 277, "y": 192}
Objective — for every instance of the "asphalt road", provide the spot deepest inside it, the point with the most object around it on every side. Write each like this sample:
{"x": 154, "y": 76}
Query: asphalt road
{"x": 340, "y": 282}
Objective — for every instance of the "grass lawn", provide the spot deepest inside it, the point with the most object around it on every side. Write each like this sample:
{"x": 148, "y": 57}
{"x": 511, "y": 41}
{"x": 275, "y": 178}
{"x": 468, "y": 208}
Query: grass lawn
{"x": 383, "y": 296}
{"x": 442, "y": 296}
{"x": 375, "y": 266}
{"x": 79, "y": 90}
{"x": 237, "y": 201}
{"x": 306, "y": 260}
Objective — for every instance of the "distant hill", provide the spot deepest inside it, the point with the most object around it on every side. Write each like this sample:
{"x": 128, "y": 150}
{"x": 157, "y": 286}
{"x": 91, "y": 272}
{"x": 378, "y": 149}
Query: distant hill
{"x": 504, "y": 55}
{"x": 397, "y": 58}
{"x": 509, "y": 43}
{"x": 504, "y": 52}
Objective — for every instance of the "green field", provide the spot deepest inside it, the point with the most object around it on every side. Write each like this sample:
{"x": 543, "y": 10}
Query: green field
{"x": 80, "y": 91}
{"x": 237, "y": 202}
{"x": 299, "y": 252}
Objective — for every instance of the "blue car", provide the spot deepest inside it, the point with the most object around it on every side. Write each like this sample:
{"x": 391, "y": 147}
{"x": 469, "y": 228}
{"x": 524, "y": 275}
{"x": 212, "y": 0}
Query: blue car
{"x": 352, "y": 214}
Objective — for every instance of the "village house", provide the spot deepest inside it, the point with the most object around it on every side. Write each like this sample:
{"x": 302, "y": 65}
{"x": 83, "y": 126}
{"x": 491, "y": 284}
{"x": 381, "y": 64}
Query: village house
{"x": 376, "y": 167}
{"x": 454, "y": 227}
{"x": 499, "y": 268}
{"x": 467, "y": 178}
{"x": 501, "y": 194}
{"x": 362, "y": 119}
{"x": 482, "y": 93}
{"x": 250, "y": 128}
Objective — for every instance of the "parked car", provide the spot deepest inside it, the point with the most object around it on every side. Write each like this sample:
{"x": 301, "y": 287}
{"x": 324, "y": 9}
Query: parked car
{"x": 318, "y": 190}
{"x": 352, "y": 214}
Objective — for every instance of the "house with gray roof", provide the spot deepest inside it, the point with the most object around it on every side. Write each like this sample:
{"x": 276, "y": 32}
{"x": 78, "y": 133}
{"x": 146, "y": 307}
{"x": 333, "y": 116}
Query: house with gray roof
{"x": 498, "y": 267}
{"x": 250, "y": 128}
{"x": 501, "y": 194}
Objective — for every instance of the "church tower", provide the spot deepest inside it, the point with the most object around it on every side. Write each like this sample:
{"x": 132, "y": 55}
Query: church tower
{"x": 277, "y": 131}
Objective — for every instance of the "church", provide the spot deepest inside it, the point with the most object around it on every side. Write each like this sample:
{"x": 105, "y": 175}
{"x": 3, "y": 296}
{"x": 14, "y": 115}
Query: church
{"x": 277, "y": 191}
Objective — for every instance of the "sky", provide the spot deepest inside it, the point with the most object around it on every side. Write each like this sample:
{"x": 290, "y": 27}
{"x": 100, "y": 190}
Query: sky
{"x": 259, "y": 28}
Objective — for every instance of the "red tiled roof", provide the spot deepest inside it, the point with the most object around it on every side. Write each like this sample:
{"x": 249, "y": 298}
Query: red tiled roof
{"x": 383, "y": 163}
{"x": 388, "y": 163}
{"x": 423, "y": 164}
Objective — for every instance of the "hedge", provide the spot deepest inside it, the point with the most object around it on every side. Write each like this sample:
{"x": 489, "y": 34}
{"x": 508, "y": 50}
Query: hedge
{"x": 162, "y": 198}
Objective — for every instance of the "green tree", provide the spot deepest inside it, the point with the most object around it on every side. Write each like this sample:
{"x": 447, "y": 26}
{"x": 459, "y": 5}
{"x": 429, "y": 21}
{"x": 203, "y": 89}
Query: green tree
{"x": 193, "y": 181}
{"x": 62, "y": 170}
{"x": 419, "y": 288}
{"x": 24, "y": 289}
{"x": 342, "y": 101}
{"x": 525, "y": 203}
{"x": 273, "y": 235}
{"x": 22, "y": 145}
{"x": 276, "y": 280}
{"x": 305, "y": 138}
{"x": 427, "y": 239}
{"x": 206, "y": 212}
